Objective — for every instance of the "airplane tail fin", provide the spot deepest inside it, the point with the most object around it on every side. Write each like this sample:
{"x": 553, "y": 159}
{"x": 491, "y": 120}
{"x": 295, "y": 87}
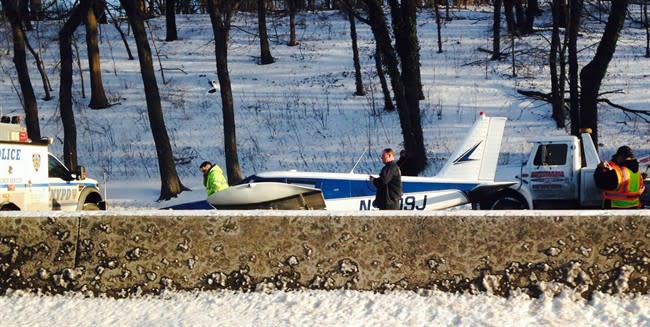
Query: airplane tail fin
{"x": 476, "y": 158}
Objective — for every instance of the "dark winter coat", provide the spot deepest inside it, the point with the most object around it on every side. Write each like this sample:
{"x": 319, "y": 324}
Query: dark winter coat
{"x": 389, "y": 187}
{"x": 607, "y": 179}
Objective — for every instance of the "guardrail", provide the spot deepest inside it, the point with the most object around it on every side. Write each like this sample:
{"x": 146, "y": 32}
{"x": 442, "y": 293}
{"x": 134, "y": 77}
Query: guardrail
{"x": 130, "y": 253}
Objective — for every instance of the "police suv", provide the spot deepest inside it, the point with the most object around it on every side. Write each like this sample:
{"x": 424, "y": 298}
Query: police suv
{"x": 32, "y": 179}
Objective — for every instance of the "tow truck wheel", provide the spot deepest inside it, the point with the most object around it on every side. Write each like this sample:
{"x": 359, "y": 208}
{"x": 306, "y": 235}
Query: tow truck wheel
{"x": 505, "y": 201}
{"x": 90, "y": 207}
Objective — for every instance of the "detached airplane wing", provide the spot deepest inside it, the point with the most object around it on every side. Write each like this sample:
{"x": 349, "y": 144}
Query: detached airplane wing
{"x": 269, "y": 195}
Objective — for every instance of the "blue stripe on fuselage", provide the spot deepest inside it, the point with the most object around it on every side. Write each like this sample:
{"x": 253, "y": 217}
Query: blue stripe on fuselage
{"x": 345, "y": 188}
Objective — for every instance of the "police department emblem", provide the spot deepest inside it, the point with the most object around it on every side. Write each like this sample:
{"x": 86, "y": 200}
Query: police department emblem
{"x": 36, "y": 161}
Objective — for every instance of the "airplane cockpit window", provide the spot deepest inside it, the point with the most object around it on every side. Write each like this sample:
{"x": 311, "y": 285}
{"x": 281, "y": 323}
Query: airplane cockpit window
{"x": 551, "y": 155}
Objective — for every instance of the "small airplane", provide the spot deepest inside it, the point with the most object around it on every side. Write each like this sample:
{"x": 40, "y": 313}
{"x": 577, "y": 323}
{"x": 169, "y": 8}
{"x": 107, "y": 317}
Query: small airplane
{"x": 469, "y": 171}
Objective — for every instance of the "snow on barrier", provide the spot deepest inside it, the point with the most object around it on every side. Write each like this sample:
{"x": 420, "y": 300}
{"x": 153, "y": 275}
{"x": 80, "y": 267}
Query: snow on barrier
{"x": 130, "y": 253}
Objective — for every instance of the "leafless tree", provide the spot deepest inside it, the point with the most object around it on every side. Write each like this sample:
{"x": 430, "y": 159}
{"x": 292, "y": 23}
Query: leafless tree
{"x": 438, "y": 25}
{"x": 65, "y": 88}
{"x": 265, "y": 51}
{"x": 170, "y": 20}
{"x": 98, "y": 99}
{"x": 221, "y": 12}
{"x": 292, "y": 6}
{"x": 171, "y": 185}
{"x": 592, "y": 74}
{"x": 573, "y": 27}
{"x": 10, "y": 7}
{"x": 406, "y": 85}
{"x": 496, "y": 31}
{"x": 556, "y": 65}
{"x": 355, "y": 56}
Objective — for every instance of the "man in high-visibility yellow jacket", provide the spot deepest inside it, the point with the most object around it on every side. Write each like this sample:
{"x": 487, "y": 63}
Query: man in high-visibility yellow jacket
{"x": 620, "y": 180}
{"x": 213, "y": 178}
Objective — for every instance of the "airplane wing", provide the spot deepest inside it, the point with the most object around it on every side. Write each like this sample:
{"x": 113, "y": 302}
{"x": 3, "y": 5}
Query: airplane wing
{"x": 268, "y": 195}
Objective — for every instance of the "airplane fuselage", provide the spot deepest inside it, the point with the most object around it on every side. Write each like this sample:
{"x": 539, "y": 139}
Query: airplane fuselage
{"x": 355, "y": 191}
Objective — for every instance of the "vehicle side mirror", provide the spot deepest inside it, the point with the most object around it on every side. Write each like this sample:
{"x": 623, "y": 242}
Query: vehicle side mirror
{"x": 81, "y": 173}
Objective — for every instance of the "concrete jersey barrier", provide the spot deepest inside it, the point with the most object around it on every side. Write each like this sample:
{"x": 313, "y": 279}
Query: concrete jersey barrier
{"x": 129, "y": 253}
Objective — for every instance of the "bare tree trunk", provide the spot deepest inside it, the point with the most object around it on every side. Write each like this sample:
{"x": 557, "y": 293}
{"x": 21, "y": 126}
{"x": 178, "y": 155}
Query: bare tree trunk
{"x": 170, "y": 183}
{"x": 265, "y": 50}
{"x": 511, "y": 25}
{"x": 386, "y": 52}
{"x": 41, "y": 70}
{"x": 23, "y": 11}
{"x": 117, "y": 27}
{"x": 592, "y": 74}
{"x": 575, "y": 11}
{"x": 292, "y": 22}
{"x": 65, "y": 87}
{"x": 407, "y": 46}
{"x": 20, "y": 61}
{"x": 438, "y": 25}
{"x": 520, "y": 17}
{"x": 413, "y": 143}
{"x": 531, "y": 12}
{"x": 496, "y": 31}
{"x": 98, "y": 99}
{"x": 81, "y": 75}
{"x": 355, "y": 56}
{"x": 170, "y": 21}
{"x": 221, "y": 28}
{"x": 557, "y": 91}
{"x": 36, "y": 10}
{"x": 388, "y": 101}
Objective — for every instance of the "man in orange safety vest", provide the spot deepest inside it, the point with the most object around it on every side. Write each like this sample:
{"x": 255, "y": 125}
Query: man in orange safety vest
{"x": 620, "y": 180}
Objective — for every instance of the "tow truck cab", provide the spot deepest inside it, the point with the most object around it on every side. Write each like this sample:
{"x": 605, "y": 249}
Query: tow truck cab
{"x": 559, "y": 173}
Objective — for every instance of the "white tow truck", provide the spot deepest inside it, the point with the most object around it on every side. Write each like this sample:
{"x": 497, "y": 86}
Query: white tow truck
{"x": 557, "y": 175}
{"x": 32, "y": 179}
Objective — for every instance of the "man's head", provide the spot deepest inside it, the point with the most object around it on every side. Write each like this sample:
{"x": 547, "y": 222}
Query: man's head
{"x": 623, "y": 153}
{"x": 205, "y": 167}
{"x": 387, "y": 155}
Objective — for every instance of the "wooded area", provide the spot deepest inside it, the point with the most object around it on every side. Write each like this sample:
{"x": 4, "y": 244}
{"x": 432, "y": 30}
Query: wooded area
{"x": 397, "y": 57}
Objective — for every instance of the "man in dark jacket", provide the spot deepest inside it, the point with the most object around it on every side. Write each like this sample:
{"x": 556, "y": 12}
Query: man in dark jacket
{"x": 389, "y": 183}
{"x": 620, "y": 180}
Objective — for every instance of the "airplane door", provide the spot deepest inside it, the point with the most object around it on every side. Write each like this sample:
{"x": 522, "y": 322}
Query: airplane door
{"x": 335, "y": 189}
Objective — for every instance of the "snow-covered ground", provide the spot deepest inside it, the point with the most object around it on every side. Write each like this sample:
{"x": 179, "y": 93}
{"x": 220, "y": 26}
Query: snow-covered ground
{"x": 300, "y": 113}
{"x": 322, "y": 308}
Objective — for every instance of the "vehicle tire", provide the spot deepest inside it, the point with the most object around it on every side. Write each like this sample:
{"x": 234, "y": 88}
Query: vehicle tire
{"x": 90, "y": 207}
{"x": 505, "y": 201}
{"x": 9, "y": 207}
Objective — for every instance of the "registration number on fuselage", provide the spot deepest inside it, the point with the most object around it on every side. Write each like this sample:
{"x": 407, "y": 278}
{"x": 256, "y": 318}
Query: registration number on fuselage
{"x": 409, "y": 202}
